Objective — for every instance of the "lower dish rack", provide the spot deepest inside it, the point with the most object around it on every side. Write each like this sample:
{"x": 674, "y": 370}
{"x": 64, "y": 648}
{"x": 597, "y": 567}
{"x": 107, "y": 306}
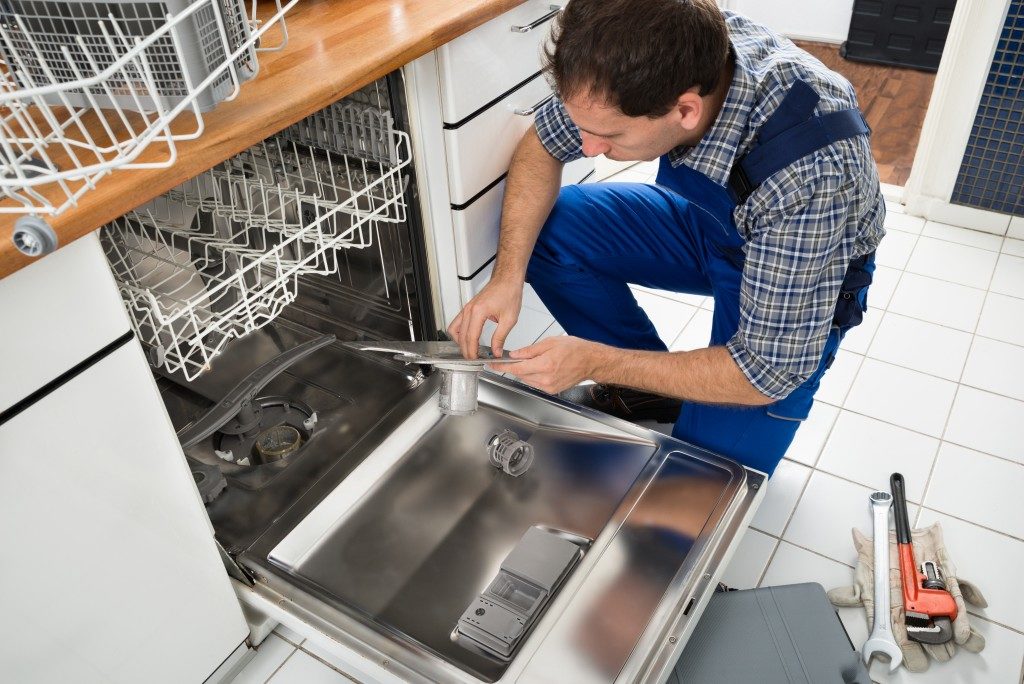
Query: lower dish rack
{"x": 219, "y": 256}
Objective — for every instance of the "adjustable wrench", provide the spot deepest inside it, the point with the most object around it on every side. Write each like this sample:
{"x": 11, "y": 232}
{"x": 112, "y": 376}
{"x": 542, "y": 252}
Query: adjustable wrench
{"x": 881, "y": 639}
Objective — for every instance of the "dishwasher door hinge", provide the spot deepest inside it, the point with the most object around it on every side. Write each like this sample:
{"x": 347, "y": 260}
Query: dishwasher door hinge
{"x": 235, "y": 570}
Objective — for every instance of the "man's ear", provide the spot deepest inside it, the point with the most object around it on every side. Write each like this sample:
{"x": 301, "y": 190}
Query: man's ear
{"x": 690, "y": 107}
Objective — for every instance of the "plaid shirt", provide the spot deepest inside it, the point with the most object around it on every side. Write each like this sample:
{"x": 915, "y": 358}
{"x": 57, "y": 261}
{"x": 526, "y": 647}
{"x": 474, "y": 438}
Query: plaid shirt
{"x": 802, "y": 226}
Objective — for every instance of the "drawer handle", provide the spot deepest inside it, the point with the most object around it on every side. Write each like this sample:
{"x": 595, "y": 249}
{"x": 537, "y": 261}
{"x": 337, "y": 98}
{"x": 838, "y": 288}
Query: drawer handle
{"x": 530, "y": 110}
{"x": 526, "y": 28}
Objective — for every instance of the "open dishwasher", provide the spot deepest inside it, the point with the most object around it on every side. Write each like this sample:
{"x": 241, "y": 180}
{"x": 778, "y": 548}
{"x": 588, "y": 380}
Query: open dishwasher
{"x": 530, "y": 541}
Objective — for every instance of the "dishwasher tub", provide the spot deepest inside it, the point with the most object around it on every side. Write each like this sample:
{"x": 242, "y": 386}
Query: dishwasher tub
{"x": 387, "y": 559}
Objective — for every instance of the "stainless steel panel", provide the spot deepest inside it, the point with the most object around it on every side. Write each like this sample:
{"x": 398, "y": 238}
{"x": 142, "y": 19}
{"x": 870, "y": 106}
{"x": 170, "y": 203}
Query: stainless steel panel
{"x": 651, "y": 566}
{"x": 428, "y": 538}
{"x": 396, "y": 558}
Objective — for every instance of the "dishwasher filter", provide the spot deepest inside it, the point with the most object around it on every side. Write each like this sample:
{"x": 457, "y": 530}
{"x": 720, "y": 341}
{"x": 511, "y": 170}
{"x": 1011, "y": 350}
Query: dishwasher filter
{"x": 530, "y": 575}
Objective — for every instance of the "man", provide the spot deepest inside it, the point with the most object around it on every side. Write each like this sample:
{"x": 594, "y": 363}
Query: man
{"x": 767, "y": 199}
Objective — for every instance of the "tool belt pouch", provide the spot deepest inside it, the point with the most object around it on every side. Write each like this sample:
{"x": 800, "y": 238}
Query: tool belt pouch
{"x": 853, "y": 293}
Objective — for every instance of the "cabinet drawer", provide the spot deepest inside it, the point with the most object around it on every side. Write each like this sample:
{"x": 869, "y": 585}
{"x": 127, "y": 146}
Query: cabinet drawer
{"x": 476, "y": 227}
{"x": 478, "y": 67}
{"x": 58, "y": 312}
{"x": 476, "y": 230}
{"x": 578, "y": 171}
{"x": 480, "y": 150}
{"x": 469, "y": 288}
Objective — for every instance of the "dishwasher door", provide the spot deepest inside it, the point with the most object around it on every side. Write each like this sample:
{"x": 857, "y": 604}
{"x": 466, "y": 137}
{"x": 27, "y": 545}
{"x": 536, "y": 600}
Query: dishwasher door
{"x": 391, "y": 557}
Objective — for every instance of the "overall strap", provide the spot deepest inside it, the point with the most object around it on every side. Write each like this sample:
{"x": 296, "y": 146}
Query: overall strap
{"x": 791, "y": 133}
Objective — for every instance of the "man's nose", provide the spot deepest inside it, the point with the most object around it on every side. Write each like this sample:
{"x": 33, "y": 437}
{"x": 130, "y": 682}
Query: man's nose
{"x": 593, "y": 146}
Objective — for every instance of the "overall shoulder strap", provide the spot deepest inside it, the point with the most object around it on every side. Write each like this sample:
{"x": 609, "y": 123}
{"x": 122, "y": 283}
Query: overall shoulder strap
{"x": 791, "y": 133}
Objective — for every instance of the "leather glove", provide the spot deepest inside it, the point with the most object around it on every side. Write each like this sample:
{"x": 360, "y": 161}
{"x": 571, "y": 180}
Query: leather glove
{"x": 928, "y": 545}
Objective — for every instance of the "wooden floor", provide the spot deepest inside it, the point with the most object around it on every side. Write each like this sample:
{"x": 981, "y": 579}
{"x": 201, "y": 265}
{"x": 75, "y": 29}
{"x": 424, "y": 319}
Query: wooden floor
{"x": 894, "y": 101}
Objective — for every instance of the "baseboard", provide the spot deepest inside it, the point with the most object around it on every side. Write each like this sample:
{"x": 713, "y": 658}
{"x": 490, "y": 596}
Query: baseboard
{"x": 812, "y": 38}
{"x": 934, "y": 209}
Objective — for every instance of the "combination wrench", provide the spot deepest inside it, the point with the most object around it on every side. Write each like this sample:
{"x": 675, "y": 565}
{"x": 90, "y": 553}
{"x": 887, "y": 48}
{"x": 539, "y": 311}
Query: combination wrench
{"x": 881, "y": 639}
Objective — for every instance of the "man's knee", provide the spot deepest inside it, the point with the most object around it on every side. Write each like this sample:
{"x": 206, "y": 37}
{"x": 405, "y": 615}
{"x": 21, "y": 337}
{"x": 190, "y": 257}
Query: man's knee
{"x": 565, "y": 216}
{"x": 559, "y": 239}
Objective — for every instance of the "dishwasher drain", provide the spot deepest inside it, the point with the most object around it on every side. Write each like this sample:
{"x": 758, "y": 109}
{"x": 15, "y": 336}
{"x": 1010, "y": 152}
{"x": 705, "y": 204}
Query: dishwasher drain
{"x": 277, "y": 442}
{"x": 509, "y": 453}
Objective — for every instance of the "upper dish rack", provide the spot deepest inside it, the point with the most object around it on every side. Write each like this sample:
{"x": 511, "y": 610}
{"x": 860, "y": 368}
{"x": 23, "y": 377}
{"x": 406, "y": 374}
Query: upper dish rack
{"x": 219, "y": 256}
{"x": 87, "y": 87}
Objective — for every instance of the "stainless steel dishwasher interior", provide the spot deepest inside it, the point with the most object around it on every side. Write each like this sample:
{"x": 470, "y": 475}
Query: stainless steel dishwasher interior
{"x": 417, "y": 548}
{"x": 421, "y": 528}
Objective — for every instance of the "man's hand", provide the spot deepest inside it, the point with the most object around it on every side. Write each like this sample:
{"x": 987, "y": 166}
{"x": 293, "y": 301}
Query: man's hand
{"x": 499, "y": 301}
{"x": 554, "y": 364}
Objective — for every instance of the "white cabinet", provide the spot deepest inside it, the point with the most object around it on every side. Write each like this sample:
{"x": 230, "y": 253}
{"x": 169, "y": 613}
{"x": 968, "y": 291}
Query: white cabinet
{"x": 476, "y": 226}
{"x": 470, "y": 103}
{"x": 480, "y": 150}
{"x": 485, "y": 63}
{"x": 108, "y": 567}
{"x": 57, "y": 312}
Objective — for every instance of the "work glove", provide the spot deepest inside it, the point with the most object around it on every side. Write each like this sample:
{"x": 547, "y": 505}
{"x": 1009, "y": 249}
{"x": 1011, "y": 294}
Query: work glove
{"x": 928, "y": 545}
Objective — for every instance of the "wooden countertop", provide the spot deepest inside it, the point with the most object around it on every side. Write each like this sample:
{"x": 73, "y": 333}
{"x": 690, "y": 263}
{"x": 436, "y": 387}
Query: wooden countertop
{"x": 335, "y": 47}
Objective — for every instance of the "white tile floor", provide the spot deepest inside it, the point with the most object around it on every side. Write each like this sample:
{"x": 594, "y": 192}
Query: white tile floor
{"x": 931, "y": 385}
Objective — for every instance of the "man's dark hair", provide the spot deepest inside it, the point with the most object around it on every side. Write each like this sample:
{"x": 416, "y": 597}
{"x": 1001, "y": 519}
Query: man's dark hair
{"x": 640, "y": 55}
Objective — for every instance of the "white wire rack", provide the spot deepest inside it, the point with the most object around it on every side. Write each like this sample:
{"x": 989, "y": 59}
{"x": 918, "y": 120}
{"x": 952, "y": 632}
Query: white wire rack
{"x": 86, "y": 87}
{"x": 219, "y": 256}
{"x": 286, "y": 186}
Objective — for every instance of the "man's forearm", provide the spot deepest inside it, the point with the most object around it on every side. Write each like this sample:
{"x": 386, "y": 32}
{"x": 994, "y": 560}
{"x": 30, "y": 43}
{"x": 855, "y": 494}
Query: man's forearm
{"x": 534, "y": 178}
{"x": 703, "y": 375}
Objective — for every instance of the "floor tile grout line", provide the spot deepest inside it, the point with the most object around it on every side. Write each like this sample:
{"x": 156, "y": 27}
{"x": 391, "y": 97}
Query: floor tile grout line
{"x": 861, "y": 484}
{"x": 682, "y": 330}
{"x": 941, "y": 325}
{"x": 922, "y": 509}
{"x": 941, "y": 280}
{"x": 317, "y": 657}
{"x": 282, "y": 636}
{"x": 996, "y": 622}
{"x": 997, "y": 250}
{"x": 956, "y": 394}
{"x": 925, "y": 434}
{"x": 824, "y": 443}
{"x": 808, "y": 550}
{"x": 1001, "y": 533}
{"x": 856, "y": 373}
{"x": 278, "y": 669}
{"x": 803, "y": 490}
{"x": 771, "y": 557}
{"x": 938, "y": 377}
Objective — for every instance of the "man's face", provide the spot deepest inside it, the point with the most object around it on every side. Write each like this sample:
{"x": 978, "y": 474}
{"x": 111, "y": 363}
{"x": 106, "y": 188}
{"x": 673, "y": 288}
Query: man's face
{"x": 606, "y": 130}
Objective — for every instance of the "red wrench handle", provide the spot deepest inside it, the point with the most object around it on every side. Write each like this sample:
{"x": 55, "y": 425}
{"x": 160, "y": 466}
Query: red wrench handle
{"x": 916, "y": 599}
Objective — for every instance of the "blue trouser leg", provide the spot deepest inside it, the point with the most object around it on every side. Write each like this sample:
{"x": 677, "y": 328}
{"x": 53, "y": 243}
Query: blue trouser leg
{"x": 600, "y": 238}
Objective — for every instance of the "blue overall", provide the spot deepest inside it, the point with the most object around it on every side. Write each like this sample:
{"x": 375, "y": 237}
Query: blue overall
{"x": 679, "y": 235}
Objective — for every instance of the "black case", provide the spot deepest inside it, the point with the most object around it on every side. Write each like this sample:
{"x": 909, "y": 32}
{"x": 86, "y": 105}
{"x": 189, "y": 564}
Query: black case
{"x": 908, "y": 33}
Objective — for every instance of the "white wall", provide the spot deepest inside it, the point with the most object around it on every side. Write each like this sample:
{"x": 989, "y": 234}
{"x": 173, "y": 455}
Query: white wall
{"x": 822, "y": 20}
